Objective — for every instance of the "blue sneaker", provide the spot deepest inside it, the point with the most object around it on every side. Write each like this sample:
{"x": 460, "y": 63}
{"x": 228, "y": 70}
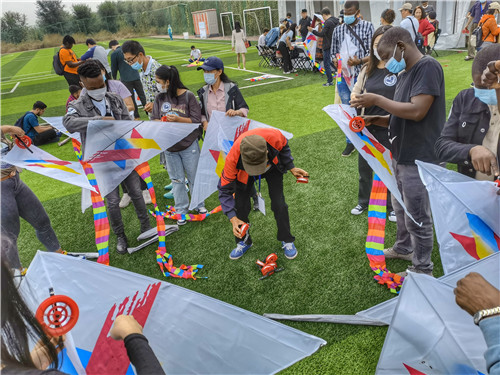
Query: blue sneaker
{"x": 290, "y": 249}
{"x": 240, "y": 250}
{"x": 168, "y": 195}
{"x": 169, "y": 187}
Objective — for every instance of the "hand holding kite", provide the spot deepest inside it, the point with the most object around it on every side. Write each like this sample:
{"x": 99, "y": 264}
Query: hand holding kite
{"x": 473, "y": 293}
{"x": 491, "y": 75}
{"x": 364, "y": 100}
{"x": 12, "y": 130}
{"x": 125, "y": 325}
{"x": 484, "y": 160}
{"x": 297, "y": 172}
{"x": 237, "y": 223}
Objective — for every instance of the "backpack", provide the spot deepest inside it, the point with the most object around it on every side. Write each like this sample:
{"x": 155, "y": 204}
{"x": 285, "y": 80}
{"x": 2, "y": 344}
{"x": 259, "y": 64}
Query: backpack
{"x": 419, "y": 39}
{"x": 478, "y": 34}
{"x": 56, "y": 64}
{"x": 20, "y": 121}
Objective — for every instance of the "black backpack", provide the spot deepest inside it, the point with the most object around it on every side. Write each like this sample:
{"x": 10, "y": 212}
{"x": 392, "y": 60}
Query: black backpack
{"x": 478, "y": 33}
{"x": 56, "y": 64}
{"x": 419, "y": 39}
{"x": 20, "y": 121}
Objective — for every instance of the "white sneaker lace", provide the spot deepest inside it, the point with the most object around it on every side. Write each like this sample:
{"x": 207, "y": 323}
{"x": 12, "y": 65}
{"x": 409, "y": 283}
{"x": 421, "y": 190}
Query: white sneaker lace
{"x": 240, "y": 247}
{"x": 288, "y": 246}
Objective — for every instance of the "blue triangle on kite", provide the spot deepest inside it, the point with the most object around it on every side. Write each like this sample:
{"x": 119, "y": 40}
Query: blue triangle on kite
{"x": 226, "y": 145}
{"x": 122, "y": 144}
{"x": 121, "y": 163}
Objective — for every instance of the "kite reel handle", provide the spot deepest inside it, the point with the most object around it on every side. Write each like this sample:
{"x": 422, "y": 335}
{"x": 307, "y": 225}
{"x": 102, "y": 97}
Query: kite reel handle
{"x": 356, "y": 124}
{"x": 23, "y": 142}
{"x": 244, "y": 229}
{"x": 303, "y": 180}
{"x": 57, "y": 315}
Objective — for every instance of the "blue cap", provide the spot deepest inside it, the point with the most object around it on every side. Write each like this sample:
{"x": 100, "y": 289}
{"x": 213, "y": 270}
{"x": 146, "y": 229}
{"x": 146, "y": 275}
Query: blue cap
{"x": 212, "y": 63}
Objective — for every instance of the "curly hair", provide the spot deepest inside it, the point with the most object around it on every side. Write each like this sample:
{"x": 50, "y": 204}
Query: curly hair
{"x": 89, "y": 69}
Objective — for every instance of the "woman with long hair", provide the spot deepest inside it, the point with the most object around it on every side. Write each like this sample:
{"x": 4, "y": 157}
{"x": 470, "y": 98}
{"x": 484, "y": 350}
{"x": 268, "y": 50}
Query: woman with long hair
{"x": 175, "y": 103}
{"x": 238, "y": 40}
{"x": 374, "y": 78}
{"x": 425, "y": 28}
{"x": 285, "y": 46}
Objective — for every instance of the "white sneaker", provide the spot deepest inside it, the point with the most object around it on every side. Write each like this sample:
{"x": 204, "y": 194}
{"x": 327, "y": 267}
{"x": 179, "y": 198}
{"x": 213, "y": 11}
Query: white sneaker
{"x": 358, "y": 210}
{"x": 146, "y": 196}
{"x": 125, "y": 201}
{"x": 202, "y": 210}
{"x": 392, "y": 216}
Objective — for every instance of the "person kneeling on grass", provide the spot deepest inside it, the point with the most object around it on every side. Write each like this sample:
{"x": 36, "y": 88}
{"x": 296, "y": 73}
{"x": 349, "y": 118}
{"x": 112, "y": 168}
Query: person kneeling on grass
{"x": 255, "y": 154}
{"x": 39, "y": 134}
{"x": 195, "y": 55}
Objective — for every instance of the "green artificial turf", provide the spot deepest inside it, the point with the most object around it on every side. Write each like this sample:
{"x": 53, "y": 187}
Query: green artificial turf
{"x": 331, "y": 273}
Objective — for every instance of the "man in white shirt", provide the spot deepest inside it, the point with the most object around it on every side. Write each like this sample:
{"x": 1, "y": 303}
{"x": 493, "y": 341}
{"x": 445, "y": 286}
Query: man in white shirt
{"x": 409, "y": 22}
{"x": 262, "y": 38}
{"x": 195, "y": 55}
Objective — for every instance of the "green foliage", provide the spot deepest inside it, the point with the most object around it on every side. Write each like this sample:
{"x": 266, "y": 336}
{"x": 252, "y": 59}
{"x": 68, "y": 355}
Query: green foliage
{"x": 52, "y": 17}
{"x": 14, "y": 28}
{"x": 84, "y": 18}
{"x": 107, "y": 13}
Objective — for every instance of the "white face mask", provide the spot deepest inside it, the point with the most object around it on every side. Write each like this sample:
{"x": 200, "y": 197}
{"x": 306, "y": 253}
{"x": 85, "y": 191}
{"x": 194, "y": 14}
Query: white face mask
{"x": 97, "y": 94}
{"x": 160, "y": 88}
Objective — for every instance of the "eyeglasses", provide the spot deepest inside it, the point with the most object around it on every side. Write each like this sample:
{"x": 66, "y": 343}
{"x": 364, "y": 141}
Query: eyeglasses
{"x": 131, "y": 61}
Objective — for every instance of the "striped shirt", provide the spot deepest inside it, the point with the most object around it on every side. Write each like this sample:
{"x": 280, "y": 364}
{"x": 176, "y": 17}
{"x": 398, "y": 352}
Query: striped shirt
{"x": 365, "y": 31}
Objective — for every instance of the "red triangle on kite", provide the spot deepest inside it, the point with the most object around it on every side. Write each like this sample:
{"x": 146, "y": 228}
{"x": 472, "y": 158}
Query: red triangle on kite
{"x": 412, "y": 371}
{"x": 215, "y": 154}
{"x": 135, "y": 134}
{"x": 468, "y": 243}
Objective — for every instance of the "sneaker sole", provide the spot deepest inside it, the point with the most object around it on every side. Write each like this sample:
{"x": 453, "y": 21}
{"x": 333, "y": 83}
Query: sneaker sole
{"x": 347, "y": 155}
{"x": 358, "y": 213}
{"x": 295, "y": 256}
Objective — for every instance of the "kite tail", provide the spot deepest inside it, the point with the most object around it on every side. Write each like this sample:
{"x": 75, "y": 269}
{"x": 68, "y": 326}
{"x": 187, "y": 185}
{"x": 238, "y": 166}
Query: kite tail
{"x": 310, "y": 56}
{"x": 101, "y": 223}
{"x": 164, "y": 259}
{"x": 376, "y": 235}
{"x": 171, "y": 214}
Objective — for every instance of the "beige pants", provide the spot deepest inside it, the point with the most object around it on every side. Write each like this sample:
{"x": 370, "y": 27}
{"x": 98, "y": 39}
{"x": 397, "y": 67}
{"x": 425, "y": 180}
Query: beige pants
{"x": 471, "y": 50}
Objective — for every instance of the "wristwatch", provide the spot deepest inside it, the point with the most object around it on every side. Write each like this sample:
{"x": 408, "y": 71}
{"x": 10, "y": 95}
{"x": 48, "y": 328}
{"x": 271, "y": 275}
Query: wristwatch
{"x": 485, "y": 313}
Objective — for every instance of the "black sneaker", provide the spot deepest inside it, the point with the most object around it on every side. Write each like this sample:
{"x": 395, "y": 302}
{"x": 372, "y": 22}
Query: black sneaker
{"x": 358, "y": 210}
{"x": 348, "y": 150}
{"x": 121, "y": 245}
{"x": 328, "y": 84}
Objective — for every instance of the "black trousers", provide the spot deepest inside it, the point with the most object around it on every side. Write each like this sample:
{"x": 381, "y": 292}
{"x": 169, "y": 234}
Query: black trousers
{"x": 286, "y": 60}
{"x": 72, "y": 79}
{"x": 48, "y": 136}
{"x": 366, "y": 173}
{"x": 137, "y": 85}
{"x": 279, "y": 207}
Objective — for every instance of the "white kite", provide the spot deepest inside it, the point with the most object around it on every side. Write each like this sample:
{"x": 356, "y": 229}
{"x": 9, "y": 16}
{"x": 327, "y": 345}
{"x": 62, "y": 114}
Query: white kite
{"x": 57, "y": 122}
{"x": 189, "y": 332}
{"x": 43, "y": 163}
{"x": 221, "y": 133}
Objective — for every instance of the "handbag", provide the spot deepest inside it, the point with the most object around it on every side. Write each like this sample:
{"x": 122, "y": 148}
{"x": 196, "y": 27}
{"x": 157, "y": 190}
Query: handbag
{"x": 247, "y": 43}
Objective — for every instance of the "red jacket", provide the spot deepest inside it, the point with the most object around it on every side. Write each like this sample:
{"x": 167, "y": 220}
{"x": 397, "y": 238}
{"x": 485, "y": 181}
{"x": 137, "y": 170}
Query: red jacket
{"x": 279, "y": 155}
{"x": 425, "y": 28}
{"x": 490, "y": 28}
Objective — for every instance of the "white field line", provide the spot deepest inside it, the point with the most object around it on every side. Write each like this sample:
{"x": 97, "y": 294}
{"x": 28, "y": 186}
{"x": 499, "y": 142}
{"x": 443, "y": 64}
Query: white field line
{"x": 13, "y": 89}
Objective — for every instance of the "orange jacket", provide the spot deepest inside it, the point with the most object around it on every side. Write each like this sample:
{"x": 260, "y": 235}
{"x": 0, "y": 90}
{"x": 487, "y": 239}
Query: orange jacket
{"x": 490, "y": 28}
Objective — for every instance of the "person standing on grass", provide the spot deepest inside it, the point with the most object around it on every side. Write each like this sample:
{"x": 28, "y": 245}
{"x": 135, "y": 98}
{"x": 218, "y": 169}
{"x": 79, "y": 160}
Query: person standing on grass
{"x": 96, "y": 52}
{"x": 477, "y": 11}
{"x": 100, "y": 104}
{"x": 256, "y": 154}
{"x": 285, "y": 46}
{"x": 374, "y": 78}
{"x": 304, "y": 23}
{"x": 19, "y": 201}
{"x": 417, "y": 116}
{"x": 326, "y": 33}
{"x": 39, "y": 134}
{"x": 69, "y": 61}
{"x": 135, "y": 56}
{"x": 179, "y": 105}
{"x": 128, "y": 76}
{"x": 357, "y": 32}
{"x": 238, "y": 40}
{"x": 171, "y": 36}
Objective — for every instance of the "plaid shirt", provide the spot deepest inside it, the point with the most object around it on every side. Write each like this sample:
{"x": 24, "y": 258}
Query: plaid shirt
{"x": 365, "y": 31}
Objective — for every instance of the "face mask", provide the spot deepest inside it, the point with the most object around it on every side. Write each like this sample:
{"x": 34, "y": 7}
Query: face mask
{"x": 483, "y": 1}
{"x": 349, "y": 19}
{"x": 486, "y": 96}
{"x": 104, "y": 77}
{"x": 394, "y": 66}
{"x": 209, "y": 78}
{"x": 97, "y": 94}
{"x": 375, "y": 53}
{"x": 136, "y": 66}
{"x": 160, "y": 88}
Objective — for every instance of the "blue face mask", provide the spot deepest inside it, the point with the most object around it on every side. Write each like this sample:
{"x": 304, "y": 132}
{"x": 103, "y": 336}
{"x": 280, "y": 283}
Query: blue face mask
{"x": 486, "y": 96}
{"x": 483, "y": 1}
{"x": 209, "y": 78}
{"x": 349, "y": 19}
{"x": 394, "y": 66}
{"x": 104, "y": 77}
{"x": 136, "y": 66}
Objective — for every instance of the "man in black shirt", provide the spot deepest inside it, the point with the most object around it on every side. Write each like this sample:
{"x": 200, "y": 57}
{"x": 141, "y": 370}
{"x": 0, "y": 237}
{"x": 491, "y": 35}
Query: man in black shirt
{"x": 416, "y": 120}
{"x": 304, "y": 23}
{"x": 326, "y": 33}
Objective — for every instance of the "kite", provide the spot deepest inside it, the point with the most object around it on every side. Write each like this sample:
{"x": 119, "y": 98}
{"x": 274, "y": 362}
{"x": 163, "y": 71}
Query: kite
{"x": 377, "y": 156}
{"x": 221, "y": 133}
{"x": 310, "y": 49}
{"x": 199, "y": 331}
{"x": 171, "y": 214}
{"x": 195, "y": 63}
{"x": 57, "y": 122}
{"x": 375, "y": 238}
{"x": 465, "y": 214}
{"x": 260, "y": 78}
{"x": 101, "y": 222}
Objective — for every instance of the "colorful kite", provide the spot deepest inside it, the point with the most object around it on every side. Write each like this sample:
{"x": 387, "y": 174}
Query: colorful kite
{"x": 57, "y": 122}
{"x": 221, "y": 133}
{"x": 171, "y": 214}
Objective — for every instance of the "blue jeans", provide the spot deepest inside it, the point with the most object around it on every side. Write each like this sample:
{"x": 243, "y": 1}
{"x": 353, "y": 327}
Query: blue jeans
{"x": 345, "y": 96}
{"x": 179, "y": 165}
{"x": 327, "y": 63}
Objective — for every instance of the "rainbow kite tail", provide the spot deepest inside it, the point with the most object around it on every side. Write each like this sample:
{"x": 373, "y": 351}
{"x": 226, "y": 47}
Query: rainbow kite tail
{"x": 171, "y": 214}
{"x": 376, "y": 236}
{"x": 101, "y": 222}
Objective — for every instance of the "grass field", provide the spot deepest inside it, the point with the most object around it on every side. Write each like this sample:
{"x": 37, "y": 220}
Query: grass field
{"x": 331, "y": 273}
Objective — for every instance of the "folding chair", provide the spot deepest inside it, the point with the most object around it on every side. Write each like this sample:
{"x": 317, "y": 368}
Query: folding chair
{"x": 264, "y": 60}
{"x": 438, "y": 33}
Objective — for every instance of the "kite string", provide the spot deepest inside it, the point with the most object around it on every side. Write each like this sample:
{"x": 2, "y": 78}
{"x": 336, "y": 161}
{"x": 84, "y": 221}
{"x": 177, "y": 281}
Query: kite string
{"x": 101, "y": 222}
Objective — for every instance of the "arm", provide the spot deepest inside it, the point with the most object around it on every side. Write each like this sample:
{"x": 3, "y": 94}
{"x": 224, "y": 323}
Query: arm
{"x": 359, "y": 85}
{"x": 88, "y": 55}
{"x": 289, "y": 43}
{"x": 227, "y": 187}
{"x": 232, "y": 39}
{"x": 239, "y": 106}
{"x": 74, "y": 123}
{"x": 129, "y": 103}
{"x": 12, "y": 130}
{"x": 427, "y": 29}
{"x": 494, "y": 29}
{"x": 114, "y": 65}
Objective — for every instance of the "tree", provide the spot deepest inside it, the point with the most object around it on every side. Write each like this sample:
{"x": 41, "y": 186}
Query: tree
{"x": 108, "y": 14}
{"x": 84, "y": 17}
{"x": 51, "y": 16}
{"x": 14, "y": 28}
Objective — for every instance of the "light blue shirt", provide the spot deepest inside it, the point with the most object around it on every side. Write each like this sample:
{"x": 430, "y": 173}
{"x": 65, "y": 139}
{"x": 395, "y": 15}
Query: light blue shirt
{"x": 407, "y": 24}
{"x": 101, "y": 106}
{"x": 491, "y": 332}
{"x": 283, "y": 37}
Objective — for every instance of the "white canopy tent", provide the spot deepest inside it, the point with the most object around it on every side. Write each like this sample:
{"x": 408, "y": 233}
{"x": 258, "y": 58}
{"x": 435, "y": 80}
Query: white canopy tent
{"x": 450, "y": 14}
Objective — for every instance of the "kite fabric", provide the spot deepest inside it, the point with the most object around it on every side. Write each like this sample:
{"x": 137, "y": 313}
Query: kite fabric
{"x": 101, "y": 222}
{"x": 164, "y": 259}
{"x": 116, "y": 148}
{"x": 376, "y": 155}
{"x": 221, "y": 133}
{"x": 171, "y": 214}
{"x": 57, "y": 122}
{"x": 430, "y": 333}
{"x": 190, "y": 333}
{"x": 466, "y": 215}
{"x": 382, "y": 313}
{"x": 43, "y": 163}
{"x": 377, "y": 210}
